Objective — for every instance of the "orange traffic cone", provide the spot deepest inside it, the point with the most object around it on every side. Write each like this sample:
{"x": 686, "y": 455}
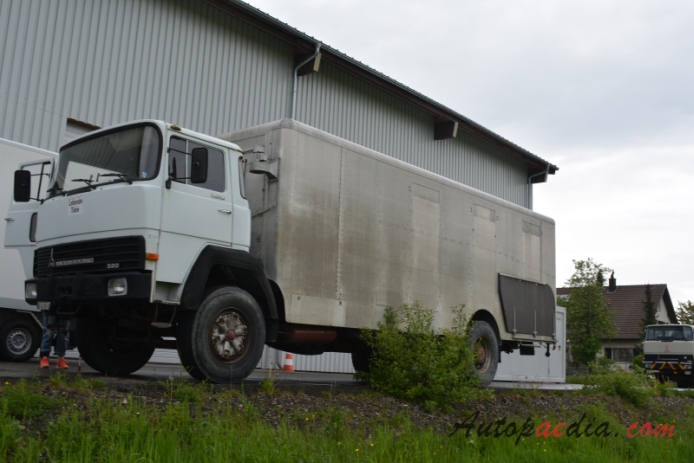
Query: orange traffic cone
{"x": 288, "y": 362}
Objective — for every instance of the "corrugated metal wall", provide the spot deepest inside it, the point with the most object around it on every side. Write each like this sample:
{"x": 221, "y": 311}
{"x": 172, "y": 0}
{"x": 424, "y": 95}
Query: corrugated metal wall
{"x": 329, "y": 362}
{"x": 109, "y": 61}
{"x": 343, "y": 105}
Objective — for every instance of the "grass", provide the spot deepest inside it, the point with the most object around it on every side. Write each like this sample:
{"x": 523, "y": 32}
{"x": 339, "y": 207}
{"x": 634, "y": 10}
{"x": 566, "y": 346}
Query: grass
{"x": 118, "y": 434}
{"x": 35, "y": 427}
{"x": 25, "y": 402}
{"x": 580, "y": 379}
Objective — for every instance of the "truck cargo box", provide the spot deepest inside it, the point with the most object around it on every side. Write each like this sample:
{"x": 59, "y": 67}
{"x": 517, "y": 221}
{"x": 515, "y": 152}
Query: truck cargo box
{"x": 346, "y": 231}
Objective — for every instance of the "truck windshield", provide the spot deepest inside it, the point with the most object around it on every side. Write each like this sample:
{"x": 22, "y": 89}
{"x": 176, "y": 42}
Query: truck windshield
{"x": 669, "y": 333}
{"x": 123, "y": 155}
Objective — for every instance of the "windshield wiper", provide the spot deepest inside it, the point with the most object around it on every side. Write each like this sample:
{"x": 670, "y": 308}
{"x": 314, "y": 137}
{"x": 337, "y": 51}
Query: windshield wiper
{"x": 88, "y": 181}
{"x": 55, "y": 188}
{"x": 120, "y": 176}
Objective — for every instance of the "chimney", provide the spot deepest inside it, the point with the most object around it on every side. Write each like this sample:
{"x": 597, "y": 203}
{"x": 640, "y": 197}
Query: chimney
{"x": 613, "y": 284}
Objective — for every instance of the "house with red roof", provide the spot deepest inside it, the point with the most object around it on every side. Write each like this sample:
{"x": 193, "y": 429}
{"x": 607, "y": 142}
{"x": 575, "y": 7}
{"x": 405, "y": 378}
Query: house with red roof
{"x": 627, "y": 306}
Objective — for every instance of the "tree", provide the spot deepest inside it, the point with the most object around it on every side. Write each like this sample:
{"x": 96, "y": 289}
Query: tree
{"x": 685, "y": 312}
{"x": 588, "y": 319}
{"x": 649, "y": 310}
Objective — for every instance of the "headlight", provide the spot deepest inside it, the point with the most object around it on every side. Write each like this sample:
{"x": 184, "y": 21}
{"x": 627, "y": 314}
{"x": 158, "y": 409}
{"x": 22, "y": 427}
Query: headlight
{"x": 118, "y": 287}
{"x": 30, "y": 291}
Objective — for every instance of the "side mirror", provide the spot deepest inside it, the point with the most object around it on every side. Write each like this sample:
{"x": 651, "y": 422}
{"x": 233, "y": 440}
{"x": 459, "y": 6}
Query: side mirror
{"x": 22, "y": 186}
{"x": 198, "y": 169}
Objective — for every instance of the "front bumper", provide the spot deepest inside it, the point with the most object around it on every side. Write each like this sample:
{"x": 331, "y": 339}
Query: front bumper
{"x": 668, "y": 365}
{"x": 90, "y": 288}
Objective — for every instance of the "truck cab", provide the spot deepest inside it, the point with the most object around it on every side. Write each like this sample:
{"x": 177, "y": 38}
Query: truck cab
{"x": 142, "y": 223}
{"x": 668, "y": 352}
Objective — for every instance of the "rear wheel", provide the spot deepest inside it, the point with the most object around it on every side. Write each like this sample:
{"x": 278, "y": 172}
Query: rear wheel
{"x": 485, "y": 349}
{"x": 103, "y": 351}
{"x": 19, "y": 340}
{"x": 223, "y": 341}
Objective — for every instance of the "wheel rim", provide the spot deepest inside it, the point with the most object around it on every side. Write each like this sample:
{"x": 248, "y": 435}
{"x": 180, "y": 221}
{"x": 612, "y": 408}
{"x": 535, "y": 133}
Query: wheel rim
{"x": 19, "y": 341}
{"x": 482, "y": 353}
{"x": 229, "y": 335}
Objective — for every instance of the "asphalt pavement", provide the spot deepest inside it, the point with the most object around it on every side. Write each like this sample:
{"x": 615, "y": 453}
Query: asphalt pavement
{"x": 163, "y": 372}
{"x": 155, "y": 372}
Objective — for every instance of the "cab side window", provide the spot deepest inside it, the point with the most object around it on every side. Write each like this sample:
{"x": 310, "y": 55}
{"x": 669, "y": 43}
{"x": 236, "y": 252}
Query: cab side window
{"x": 178, "y": 147}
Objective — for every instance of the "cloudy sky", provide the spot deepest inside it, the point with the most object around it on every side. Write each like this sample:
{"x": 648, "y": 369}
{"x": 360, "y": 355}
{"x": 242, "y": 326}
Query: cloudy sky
{"x": 604, "y": 90}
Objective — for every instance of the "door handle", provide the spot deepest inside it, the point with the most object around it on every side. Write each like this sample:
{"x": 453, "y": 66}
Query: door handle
{"x": 9, "y": 219}
{"x": 226, "y": 211}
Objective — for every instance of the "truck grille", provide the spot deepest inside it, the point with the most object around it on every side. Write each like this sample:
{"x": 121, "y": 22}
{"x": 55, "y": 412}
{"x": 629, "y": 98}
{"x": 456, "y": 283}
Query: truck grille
{"x": 96, "y": 256}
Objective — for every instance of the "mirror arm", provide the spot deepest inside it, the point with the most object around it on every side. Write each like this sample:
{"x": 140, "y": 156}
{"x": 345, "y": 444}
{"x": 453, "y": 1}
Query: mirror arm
{"x": 170, "y": 179}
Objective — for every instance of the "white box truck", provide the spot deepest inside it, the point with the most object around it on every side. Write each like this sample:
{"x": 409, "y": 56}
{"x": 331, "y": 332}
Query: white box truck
{"x": 279, "y": 234}
{"x": 20, "y": 329}
{"x": 668, "y": 353}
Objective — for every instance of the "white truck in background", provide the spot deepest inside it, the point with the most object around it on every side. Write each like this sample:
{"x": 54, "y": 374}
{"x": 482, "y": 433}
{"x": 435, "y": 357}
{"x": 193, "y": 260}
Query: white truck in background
{"x": 20, "y": 325}
{"x": 280, "y": 234}
{"x": 668, "y": 353}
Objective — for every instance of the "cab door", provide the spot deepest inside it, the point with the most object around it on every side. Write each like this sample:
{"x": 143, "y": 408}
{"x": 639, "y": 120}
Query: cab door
{"x": 193, "y": 215}
{"x": 21, "y": 221}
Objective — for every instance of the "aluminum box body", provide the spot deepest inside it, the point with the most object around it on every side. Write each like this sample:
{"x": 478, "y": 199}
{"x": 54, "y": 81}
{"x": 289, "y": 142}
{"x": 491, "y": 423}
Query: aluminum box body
{"x": 346, "y": 231}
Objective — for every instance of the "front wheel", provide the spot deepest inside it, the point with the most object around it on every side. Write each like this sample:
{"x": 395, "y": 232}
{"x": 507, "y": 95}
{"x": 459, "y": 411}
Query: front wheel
{"x": 485, "y": 350}
{"x": 224, "y": 340}
{"x": 19, "y": 340}
{"x": 104, "y": 352}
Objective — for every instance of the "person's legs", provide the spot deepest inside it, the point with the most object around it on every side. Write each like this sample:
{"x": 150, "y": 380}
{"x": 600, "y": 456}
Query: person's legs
{"x": 62, "y": 327}
{"x": 46, "y": 341}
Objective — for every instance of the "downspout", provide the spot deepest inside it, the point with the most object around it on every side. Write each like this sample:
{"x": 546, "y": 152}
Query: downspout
{"x": 296, "y": 76}
{"x": 530, "y": 188}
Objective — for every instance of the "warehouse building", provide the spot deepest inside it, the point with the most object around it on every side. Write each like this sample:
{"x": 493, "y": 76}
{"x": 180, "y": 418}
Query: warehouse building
{"x": 216, "y": 66}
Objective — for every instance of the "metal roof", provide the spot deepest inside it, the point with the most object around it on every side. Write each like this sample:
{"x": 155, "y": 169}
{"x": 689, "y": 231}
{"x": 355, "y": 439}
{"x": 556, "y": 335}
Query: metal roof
{"x": 305, "y": 43}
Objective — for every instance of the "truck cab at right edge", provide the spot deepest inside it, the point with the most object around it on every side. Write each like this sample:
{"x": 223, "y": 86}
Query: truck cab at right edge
{"x": 668, "y": 351}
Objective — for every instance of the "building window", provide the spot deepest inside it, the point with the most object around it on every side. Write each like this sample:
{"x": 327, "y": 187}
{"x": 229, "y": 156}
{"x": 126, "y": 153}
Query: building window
{"x": 608, "y": 353}
{"x": 623, "y": 355}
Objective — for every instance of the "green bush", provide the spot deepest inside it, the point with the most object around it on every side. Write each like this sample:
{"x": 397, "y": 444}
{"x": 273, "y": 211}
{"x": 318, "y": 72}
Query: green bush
{"x": 637, "y": 362}
{"x": 633, "y": 386}
{"x": 413, "y": 361}
{"x": 605, "y": 364}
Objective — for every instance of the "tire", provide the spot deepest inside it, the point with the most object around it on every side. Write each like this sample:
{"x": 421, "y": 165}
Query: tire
{"x": 485, "y": 348}
{"x": 99, "y": 351}
{"x": 223, "y": 341}
{"x": 19, "y": 340}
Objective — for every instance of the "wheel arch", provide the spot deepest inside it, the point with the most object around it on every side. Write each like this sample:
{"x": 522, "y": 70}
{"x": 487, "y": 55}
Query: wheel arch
{"x": 12, "y": 314}
{"x": 222, "y": 266}
{"x": 485, "y": 316}
{"x": 279, "y": 301}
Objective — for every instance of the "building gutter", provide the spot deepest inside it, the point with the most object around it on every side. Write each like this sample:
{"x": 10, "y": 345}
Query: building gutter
{"x": 296, "y": 77}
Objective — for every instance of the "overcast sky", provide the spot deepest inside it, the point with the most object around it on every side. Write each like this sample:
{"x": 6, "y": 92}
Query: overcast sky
{"x": 601, "y": 89}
